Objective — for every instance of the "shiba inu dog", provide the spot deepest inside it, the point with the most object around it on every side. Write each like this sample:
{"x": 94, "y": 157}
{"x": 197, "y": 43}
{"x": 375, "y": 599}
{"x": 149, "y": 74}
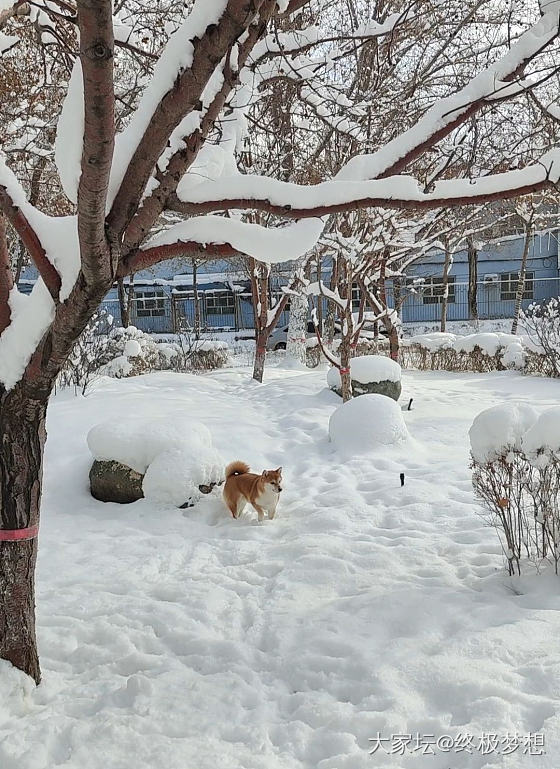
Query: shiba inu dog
{"x": 262, "y": 491}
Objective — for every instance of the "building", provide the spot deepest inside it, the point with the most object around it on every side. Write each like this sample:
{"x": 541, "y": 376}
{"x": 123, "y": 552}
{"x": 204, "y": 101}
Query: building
{"x": 164, "y": 297}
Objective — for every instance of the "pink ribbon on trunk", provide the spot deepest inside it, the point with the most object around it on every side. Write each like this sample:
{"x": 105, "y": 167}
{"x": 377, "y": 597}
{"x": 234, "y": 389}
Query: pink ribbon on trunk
{"x": 16, "y": 535}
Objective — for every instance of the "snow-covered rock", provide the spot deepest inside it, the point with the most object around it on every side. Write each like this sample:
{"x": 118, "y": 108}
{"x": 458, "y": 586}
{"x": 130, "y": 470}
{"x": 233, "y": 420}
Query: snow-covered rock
{"x": 367, "y": 423}
{"x": 370, "y": 374}
{"x": 175, "y": 455}
{"x": 499, "y": 429}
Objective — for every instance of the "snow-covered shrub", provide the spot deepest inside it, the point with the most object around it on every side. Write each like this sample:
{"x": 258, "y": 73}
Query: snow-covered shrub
{"x": 370, "y": 374}
{"x": 366, "y": 424}
{"x": 515, "y": 458}
{"x": 475, "y": 352}
{"x": 129, "y": 352}
{"x": 82, "y": 365}
{"x": 542, "y": 322}
{"x": 175, "y": 456}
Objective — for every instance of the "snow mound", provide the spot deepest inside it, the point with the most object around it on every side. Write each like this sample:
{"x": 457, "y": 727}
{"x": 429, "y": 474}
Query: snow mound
{"x": 367, "y": 368}
{"x": 132, "y": 348}
{"x": 497, "y": 430}
{"x": 489, "y": 343}
{"x": 175, "y": 455}
{"x": 367, "y": 423}
{"x": 434, "y": 341}
{"x": 544, "y": 433}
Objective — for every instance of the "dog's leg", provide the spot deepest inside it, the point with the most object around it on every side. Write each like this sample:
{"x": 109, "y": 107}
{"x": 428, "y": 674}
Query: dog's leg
{"x": 232, "y": 508}
{"x": 272, "y": 512}
{"x": 240, "y": 507}
{"x": 260, "y": 512}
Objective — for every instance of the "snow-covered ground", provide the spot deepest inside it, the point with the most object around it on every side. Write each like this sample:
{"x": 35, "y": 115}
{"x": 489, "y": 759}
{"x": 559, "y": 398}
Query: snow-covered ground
{"x": 184, "y": 639}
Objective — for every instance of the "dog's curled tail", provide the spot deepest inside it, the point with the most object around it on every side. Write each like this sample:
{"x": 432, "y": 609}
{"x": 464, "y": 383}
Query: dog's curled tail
{"x": 236, "y": 468}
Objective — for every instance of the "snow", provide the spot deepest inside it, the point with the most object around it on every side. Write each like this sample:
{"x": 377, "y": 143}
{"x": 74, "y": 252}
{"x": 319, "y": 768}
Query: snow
{"x": 368, "y": 368}
{"x": 544, "y": 434}
{"x": 171, "y": 637}
{"x": 271, "y": 245}
{"x": 136, "y": 442}
{"x": 132, "y": 348}
{"x": 338, "y": 191}
{"x": 497, "y": 430}
{"x": 30, "y": 316}
{"x": 7, "y": 42}
{"x": 69, "y": 135}
{"x": 368, "y": 423}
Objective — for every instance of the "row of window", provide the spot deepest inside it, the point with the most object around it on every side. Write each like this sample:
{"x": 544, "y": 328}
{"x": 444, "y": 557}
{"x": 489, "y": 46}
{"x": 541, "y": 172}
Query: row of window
{"x": 431, "y": 289}
{"x": 152, "y": 304}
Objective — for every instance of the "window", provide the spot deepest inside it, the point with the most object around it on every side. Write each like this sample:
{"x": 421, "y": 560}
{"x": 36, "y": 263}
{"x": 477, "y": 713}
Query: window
{"x": 432, "y": 290}
{"x": 150, "y": 304}
{"x": 356, "y": 295}
{"x": 509, "y": 282}
{"x": 220, "y": 304}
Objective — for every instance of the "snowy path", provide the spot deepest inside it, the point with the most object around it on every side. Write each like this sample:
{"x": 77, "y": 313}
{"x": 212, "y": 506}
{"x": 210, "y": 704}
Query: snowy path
{"x": 194, "y": 641}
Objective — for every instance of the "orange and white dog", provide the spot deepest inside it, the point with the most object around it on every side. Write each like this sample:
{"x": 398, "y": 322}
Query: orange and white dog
{"x": 261, "y": 491}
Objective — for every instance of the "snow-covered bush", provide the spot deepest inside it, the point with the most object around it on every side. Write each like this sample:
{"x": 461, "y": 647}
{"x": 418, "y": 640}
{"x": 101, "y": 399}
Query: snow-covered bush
{"x": 174, "y": 455}
{"x": 366, "y": 424}
{"x": 200, "y": 354}
{"x": 515, "y": 458}
{"x": 129, "y": 352}
{"x": 474, "y": 352}
{"x": 82, "y": 365}
{"x": 119, "y": 352}
{"x": 370, "y": 374}
{"x": 542, "y": 322}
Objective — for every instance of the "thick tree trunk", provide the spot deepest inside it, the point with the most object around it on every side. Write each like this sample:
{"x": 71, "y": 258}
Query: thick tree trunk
{"x": 522, "y": 274}
{"x": 22, "y": 441}
{"x": 472, "y": 299}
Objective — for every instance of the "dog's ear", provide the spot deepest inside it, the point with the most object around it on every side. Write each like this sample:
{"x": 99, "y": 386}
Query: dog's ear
{"x": 265, "y": 473}
{"x": 279, "y": 471}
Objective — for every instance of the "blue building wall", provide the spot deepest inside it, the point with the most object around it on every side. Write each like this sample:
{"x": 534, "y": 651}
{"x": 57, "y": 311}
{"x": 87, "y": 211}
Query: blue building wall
{"x": 164, "y": 293}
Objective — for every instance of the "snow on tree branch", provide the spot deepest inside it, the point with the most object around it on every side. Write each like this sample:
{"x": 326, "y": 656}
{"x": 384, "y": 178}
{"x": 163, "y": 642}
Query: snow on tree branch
{"x": 265, "y": 244}
{"x": 400, "y": 192}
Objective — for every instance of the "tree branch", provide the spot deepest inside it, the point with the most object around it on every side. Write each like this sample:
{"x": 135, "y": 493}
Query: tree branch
{"x": 143, "y": 259}
{"x": 6, "y": 280}
{"x": 178, "y": 102}
{"x": 96, "y": 55}
{"x": 32, "y": 243}
{"x": 299, "y": 202}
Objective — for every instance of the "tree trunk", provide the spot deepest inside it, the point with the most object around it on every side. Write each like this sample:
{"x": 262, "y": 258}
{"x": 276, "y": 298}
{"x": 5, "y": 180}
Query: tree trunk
{"x": 472, "y": 298}
{"x": 297, "y": 327}
{"x": 345, "y": 376}
{"x": 522, "y": 273}
{"x": 392, "y": 331}
{"x": 22, "y": 441}
{"x": 123, "y": 304}
{"x": 260, "y": 355}
{"x": 329, "y": 328}
{"x": 445, "y": 286}
{"x": 196, "y": 302}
